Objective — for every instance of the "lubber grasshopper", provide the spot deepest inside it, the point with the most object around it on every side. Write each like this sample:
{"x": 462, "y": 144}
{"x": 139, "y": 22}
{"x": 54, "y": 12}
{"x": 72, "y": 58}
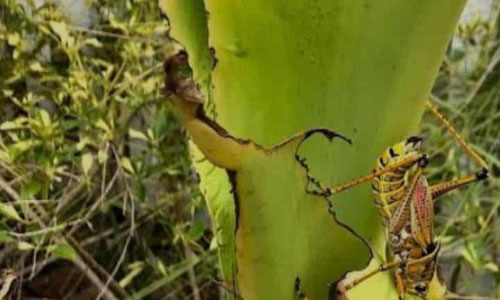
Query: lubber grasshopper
{"x": 405, "y": 202}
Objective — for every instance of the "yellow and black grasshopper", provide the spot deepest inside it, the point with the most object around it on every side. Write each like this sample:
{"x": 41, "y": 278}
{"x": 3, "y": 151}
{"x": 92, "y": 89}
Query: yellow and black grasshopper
{"x": 404, "y": 200}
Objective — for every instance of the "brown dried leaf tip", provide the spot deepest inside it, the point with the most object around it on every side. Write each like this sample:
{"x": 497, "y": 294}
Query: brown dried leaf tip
{"x": 179, "y": 78}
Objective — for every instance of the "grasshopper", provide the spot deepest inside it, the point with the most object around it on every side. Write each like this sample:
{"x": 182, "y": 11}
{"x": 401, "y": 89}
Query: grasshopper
{"x": 404, "y": 200}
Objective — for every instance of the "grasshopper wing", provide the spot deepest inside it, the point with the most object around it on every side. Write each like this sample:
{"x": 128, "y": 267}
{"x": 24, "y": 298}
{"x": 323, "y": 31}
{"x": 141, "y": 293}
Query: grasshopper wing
{"x": 422, "y": 213}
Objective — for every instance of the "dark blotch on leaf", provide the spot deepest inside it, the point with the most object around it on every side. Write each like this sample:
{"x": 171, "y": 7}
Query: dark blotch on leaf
{"x": 179, "y": 80}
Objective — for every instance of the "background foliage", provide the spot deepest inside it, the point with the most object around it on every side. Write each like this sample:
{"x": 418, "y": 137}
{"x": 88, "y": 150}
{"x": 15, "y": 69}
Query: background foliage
{"x": 468, "y": 92}
{"x": 95, "y": 178}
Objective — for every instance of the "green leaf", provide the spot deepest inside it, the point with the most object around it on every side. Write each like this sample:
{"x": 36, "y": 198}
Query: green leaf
{"x": 127, "y": 165}
{"x": 20, "y": 147}
{"x": 36, "y": 67}
{"x": 102, "y": 156}
{"x": 8, "y": 93}
{"x": 135, "y": 134}
{"x": 160, "y": 266}
{"x": 93, "y": 42}
{"x": 8, "y": 210}
{"x": 84, "y": 141}
{"x": 25, "y": 246}
{"x": 61, "y": 30}
{"x": 18, "y": 123}
{"x": 5, "y": 237}
{"x": 135, "y": 269}
{"x": 8, "y": 125}
{"x": 492, "y": 267}
{"x": 196, "y": 231}
{"x": 14, "y": 39}
{"x": 31, "y": 188}
{"x": 140, "y": 189}
{"x": 102, "y": 124}
{"x": 44, "y": 117}
{"x": 64, "y": 251}
{"x": 87, "y": 162}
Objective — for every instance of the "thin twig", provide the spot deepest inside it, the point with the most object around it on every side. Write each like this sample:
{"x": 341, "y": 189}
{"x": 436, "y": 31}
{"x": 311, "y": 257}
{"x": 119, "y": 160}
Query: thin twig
{"x": 495, "y": 59}
{"x": 191, "y": 274}
{"x": 82, "y": 264}
{"x": 131, "y": 230}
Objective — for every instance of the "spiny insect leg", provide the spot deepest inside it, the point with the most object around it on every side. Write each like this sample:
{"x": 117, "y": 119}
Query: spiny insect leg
{"x": 442, "y": 188}
{"x": 390, "y": 167}
{"x": 381, "y": 268}
{"x": 400, "y": 286}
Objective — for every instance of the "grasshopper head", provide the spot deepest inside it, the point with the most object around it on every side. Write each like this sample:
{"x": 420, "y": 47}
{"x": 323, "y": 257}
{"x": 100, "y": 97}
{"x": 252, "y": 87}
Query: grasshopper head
{"x": 412, "y": 144}
{"x": 409, "y": 147}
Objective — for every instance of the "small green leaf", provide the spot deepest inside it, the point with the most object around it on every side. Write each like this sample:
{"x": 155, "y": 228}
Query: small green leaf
{"x": 130, "y": 78}
{"x": 31, "y": 188}
{"x": 196, "y": 230}
{"x": 135, "y": 269}
{"x": 62, "y": 31}
{"x": 18, "y": 123}
{"x": 135, "y": 134}
{"x": 492, "y": 267}
{"x": 87, "y": 161}
{"x": 64, "y": 251}
{"x": 102, "y": 156}
{"x": 21, "y": 147}
{"x": 24, "y": 246}
{"x": 101, "y": 124}
{"x": 150, "y": 134}
{"x": 161, "y": 267}
{"x": 127, "y": 164}
{"x": 36, "y": 67}
{"x": 93, "y": 42}
{"x": 160, "y": 125}
{"x": 9, "y": 211}
{"x": 213, "y": 243}
{"x": 45, "y": 117}
{"x": 84, "y": 141}
{"x": 13, "y": 39}
{"x": 8, "y": 125}
{"x": 140, "y": 190}
{"x": 5, "y": 237}
{"x": 149, "y": 85}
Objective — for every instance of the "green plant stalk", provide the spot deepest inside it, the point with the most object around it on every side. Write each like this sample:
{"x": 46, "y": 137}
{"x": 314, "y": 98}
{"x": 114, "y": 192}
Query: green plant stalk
{"x": 362, "y": 68}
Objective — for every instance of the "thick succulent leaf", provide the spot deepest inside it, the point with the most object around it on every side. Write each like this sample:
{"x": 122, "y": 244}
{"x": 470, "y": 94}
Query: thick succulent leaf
{"x": 286, "y": 230}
